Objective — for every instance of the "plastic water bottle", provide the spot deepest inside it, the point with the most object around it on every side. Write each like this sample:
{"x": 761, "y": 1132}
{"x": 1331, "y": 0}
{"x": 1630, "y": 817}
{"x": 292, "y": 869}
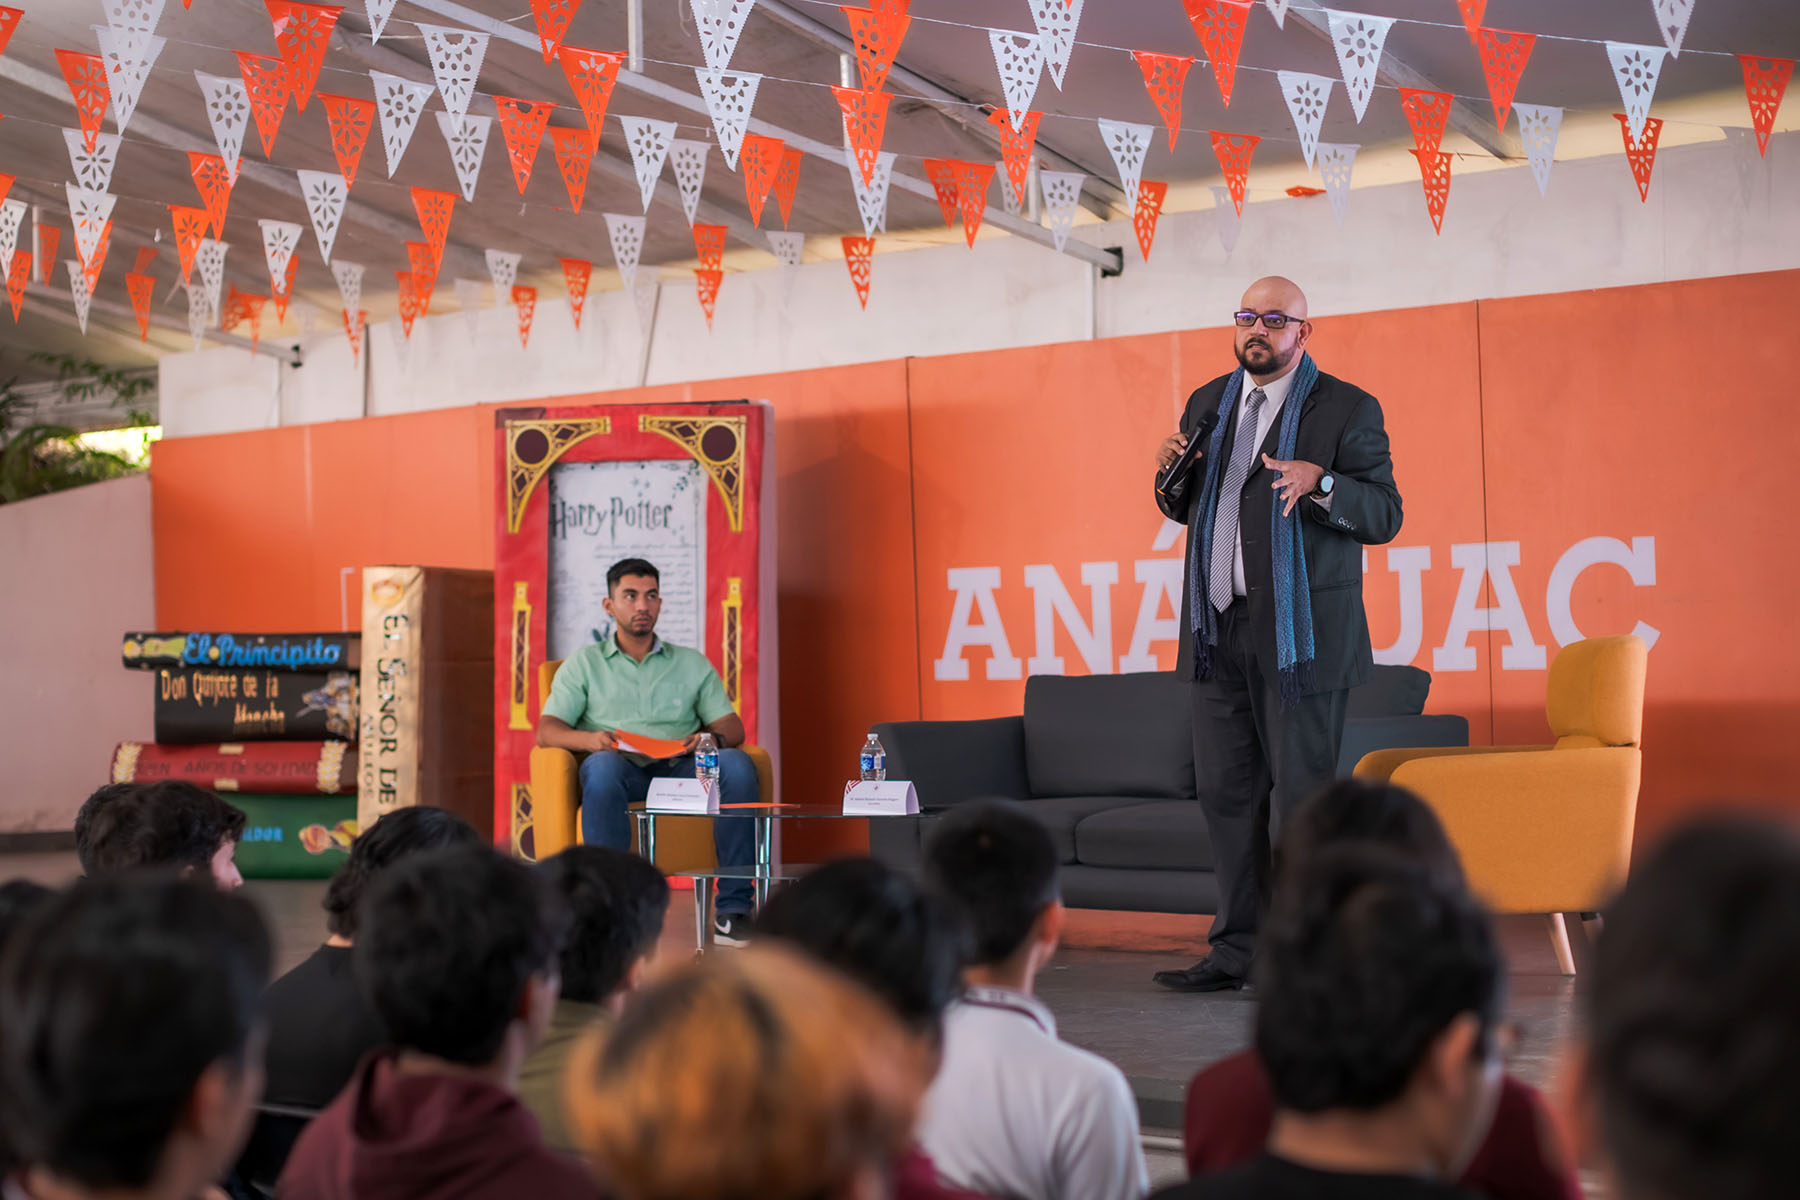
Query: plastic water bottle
{"x": 874, "y": 760}
{"x": 706, "y": 761}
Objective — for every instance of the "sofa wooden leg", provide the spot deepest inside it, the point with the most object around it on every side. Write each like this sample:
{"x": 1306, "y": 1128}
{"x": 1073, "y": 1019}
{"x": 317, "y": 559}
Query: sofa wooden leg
{"x": 1559, "y": 940}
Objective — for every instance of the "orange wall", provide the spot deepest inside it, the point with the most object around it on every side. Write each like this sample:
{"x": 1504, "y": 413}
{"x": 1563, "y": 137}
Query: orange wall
{"x": 1542, "y": 420}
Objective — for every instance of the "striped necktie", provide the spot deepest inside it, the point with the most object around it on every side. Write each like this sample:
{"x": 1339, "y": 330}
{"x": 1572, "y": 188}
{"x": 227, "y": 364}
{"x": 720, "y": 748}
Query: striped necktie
{"x": 1225, "y": 522}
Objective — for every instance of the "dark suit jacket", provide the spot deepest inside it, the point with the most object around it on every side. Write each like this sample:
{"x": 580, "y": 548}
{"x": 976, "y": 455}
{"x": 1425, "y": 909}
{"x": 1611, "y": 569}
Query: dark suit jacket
{"x": 1341, "y": 430}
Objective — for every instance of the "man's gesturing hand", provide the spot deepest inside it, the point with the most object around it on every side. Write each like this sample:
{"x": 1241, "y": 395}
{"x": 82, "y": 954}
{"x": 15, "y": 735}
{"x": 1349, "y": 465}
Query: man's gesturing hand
{"x": 1170, "y": 450}
{"x": 1297, "y": 480}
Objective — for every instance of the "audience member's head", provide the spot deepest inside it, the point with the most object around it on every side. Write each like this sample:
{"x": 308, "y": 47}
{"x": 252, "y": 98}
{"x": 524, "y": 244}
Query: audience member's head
{"x": 84, "y": 820}
{"x": 169, "y": 823}
{"x": 396, "y": 835}
{"x": 1693, "y": 1018}
{"x": 751, "y": 1074}
{"x": 1381, "y": 992}
{"x": 1359, "y": 811}
{"x": 19, "y": 898}
{"x": 616, "y": 902}
{"x": 132, "y": 1059}
{"x": 997, "y": 867}
{"x": 456, "y": 950}
{"x": 878, "y": 927}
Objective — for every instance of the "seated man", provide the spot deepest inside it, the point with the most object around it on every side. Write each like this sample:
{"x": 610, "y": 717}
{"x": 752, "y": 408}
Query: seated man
{"x": 636, "y": 682}
{"x": 457, "y": 951}
{"x": 616, "y": 904}
{"x": 320, "y": 1023}
{"x": 1380, "y": 996}
{"x": 1014, "y": 1111}
{"x": 165, "y": 824}
{"x": 132, "y": 1058}
{"x": 1690, "y": 1077}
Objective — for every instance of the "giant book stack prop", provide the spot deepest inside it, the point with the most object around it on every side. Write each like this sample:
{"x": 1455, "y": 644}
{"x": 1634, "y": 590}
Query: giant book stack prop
{"x": 691, "y": 488}
{"x": 269, "y": 720}
{"x": 427, "y": 678}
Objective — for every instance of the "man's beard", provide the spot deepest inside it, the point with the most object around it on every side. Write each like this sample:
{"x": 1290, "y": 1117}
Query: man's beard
{"x": 1277, "y": 360}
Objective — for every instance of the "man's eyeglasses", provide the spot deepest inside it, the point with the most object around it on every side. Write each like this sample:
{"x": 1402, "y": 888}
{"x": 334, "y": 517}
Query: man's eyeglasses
{"x": 1272, "y": 321}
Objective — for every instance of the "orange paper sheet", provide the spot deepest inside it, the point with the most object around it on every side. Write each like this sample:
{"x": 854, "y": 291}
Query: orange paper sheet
{"x": 638, "y": 743}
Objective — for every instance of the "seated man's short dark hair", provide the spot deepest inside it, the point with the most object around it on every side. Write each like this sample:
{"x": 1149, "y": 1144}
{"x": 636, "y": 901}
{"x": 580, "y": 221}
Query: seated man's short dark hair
{"x": 446, "y": 942}
{"x": 1358, "y": 810}
{"x": 115, "y": 996}
{"x": 630, "y": 566}
{"x": 84, "y": 820}
{"x": 1693, "y": 1015}
{"x": 169, "y": 823}
{"x": 878, "y": 927}
{"x": 1365, "y": 959}
{"x": 616, "y": 902}
{"x": 397, "y": 835}
{"x": 997, "y": 867}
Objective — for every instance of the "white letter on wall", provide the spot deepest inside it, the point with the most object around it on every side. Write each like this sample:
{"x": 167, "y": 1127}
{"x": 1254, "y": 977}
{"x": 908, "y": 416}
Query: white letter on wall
{"x": 974, "y": 588}
{"x": 1410, "y": 563}
{"x": 1638, "y": 559}
{"x": 1161, "y": 578}
{"x": 1493, "y": 561}
{"x": 1048, "y": 596}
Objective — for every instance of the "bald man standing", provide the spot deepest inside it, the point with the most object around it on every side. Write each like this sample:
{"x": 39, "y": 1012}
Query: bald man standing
{"x": 1291, "y": 479}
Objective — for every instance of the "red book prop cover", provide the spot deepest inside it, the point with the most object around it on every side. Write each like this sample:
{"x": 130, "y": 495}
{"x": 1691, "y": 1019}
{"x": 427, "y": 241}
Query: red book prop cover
{"x": 689, "y": 487}
{"x": 254, "y": 705}
{"x": 282, "y": 768}
{"x": 316, "y": 652}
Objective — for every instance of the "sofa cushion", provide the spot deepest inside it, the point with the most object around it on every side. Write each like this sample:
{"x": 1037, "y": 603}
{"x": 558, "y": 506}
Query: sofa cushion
{"x": 1392, "y": 691}
{"x": 1061, "y": 814}
{"x": 1120, "y": 735}
{"x": 1164, "y": 834}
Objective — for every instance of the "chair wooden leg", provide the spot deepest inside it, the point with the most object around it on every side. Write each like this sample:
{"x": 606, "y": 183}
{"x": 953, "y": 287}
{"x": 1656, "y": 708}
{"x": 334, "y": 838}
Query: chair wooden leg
{"x": 1559, "y": 940}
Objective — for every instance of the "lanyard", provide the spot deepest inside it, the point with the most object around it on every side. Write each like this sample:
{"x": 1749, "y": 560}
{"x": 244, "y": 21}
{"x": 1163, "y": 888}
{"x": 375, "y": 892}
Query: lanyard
{"x": 1006, "y": 1001}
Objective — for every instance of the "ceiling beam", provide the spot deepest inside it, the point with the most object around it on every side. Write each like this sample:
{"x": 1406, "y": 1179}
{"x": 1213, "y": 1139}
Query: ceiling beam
{"x": 1106, "y": 199}
{"x": 1394, "y": 72}
{"x": 1109, "y": 260}
{"x": 462, "y": 259}
{"x": 286, "y": 352}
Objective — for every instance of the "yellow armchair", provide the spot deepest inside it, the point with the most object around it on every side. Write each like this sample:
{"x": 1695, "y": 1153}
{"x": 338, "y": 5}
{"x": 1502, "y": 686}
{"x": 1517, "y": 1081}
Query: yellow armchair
{"x": 1545, "y": 829}
{"x": 682, "y": 843}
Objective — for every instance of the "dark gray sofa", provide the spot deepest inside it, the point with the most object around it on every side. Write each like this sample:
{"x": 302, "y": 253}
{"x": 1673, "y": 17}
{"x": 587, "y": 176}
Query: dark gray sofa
{"x": 1107, "y": 763}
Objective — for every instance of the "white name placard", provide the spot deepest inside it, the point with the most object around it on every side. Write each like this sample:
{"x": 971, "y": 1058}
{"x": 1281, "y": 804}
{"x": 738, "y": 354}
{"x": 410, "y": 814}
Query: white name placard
{"x": 682, "y": 796}
{"x": 888, "y": 798}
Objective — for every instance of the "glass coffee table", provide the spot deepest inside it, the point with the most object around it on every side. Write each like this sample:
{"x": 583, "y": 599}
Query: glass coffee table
{"x": 765, "y": 873}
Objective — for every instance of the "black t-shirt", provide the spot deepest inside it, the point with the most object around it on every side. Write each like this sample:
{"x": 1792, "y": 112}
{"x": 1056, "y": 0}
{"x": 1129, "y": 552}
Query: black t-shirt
{"x": 1271, "y": 1178}
{"x": 319, "y": 1029}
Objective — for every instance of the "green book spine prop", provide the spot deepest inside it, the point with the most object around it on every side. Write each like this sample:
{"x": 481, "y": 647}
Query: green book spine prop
{"x": 428, "y": 688}
{"x": 254, "y": 705}
{"x": 294, "y": 837}
{"x": 316, "y": 652}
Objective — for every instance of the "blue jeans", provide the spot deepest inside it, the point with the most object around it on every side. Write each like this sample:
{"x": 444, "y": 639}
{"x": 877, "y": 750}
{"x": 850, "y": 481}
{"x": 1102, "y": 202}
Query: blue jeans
{"x": 610, "y": 781}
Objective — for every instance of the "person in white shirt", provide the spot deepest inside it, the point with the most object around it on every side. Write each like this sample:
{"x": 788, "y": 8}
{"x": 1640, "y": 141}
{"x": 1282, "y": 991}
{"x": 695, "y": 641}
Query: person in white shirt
{"x": 1014, "y": 1111}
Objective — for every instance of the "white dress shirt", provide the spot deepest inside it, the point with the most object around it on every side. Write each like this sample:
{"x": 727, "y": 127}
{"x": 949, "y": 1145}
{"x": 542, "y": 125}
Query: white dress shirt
{"x": 1015, "y": 1112}
{"x": 1275, "y": 393}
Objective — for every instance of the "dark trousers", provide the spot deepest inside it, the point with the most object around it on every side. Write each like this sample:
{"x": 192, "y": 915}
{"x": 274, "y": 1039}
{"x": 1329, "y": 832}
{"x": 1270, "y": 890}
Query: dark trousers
{"x": 1253, "y": 765}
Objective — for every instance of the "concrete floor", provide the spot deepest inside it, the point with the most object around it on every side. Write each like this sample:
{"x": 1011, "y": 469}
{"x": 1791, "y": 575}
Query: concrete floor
{"x": 1098, "y": 986}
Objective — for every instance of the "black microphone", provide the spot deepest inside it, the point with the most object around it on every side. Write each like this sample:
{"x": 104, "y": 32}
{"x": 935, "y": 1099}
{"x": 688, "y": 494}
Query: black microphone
{"x": 1173, "y": 481}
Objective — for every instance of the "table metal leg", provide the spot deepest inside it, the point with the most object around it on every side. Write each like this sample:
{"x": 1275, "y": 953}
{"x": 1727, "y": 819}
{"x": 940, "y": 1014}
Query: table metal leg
{"x": 765, "y": 843}
{"x": 647, "y": 835}
{"x": 703, "y": 888}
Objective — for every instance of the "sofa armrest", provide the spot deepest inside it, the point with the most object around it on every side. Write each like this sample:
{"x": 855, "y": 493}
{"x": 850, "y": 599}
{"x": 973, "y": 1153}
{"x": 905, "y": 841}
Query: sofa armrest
{"x": 1367, "y": 734}
{"x": 1538, "y": 830}
{"x": 950, "y": 762}
{"x": 555, "y": 800}
{"x": 1380, "y": 765}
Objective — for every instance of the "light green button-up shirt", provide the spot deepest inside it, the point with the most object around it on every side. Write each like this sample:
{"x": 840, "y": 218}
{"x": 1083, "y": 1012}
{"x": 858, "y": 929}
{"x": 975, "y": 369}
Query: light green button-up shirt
{"x": 672, "y": 693}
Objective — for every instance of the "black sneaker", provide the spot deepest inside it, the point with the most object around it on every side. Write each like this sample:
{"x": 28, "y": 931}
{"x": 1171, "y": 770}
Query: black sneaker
{"x": 731, "y": 929}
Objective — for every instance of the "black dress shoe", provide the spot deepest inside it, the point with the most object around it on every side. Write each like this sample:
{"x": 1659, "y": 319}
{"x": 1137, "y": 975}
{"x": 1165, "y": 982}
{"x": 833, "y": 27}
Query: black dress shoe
{"x": 1203, "y": 976}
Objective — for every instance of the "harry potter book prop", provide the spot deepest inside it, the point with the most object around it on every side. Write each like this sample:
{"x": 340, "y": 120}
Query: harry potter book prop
{"x": 294, "y": 837}
{"x": 288, "y": 768}
{"x": 244, "y": 705}
{"x": 316, "y": 652}
{"x": 428, "y": 677}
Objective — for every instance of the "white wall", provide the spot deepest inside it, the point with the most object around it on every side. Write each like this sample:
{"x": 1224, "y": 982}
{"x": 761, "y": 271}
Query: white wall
{"x": 1711, "y": 212}
{"x": 76, "y": 575}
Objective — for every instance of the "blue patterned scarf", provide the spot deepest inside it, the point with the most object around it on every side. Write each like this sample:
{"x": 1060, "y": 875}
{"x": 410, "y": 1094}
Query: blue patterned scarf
{"x": 1287, "y": 549}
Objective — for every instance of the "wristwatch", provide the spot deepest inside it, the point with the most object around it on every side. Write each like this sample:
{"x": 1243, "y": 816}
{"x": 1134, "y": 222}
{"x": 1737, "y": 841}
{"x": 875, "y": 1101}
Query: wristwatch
{"x": 1325, "y": 485}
